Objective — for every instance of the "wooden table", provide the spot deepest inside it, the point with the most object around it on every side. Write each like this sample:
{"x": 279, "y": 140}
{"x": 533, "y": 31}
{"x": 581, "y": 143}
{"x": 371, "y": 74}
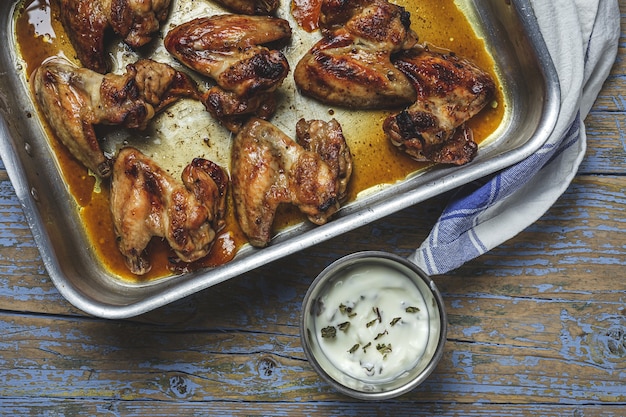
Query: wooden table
{"x": 536, "y": 327}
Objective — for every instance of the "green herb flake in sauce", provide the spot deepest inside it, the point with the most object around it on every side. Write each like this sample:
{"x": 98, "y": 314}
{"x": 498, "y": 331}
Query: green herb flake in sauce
{"x": 354, "y": 348}
{"x": 329, "y": 332}
{"x": 383, "y": 348}
{"x": 378, "y": 318}
{"x": 379, "y": 335}
{"x": 344, "y": 309}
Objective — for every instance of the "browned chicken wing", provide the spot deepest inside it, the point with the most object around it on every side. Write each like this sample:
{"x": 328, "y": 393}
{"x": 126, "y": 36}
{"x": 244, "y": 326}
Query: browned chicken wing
{"x": 229, "y": 49}
{"x": 450, "y": 91}
{"x": 74, "y": 99}
{"x": 251, "y": 7}
{"x": 369, "y": 58}
{"x": 233, "y": 111}
{"x": 146, "y": 201}
{"x": 378, "y": 22}
{"x": 268, "y": 169}
{"x": 327, "y": 140}
{"x": 351, "y": 65}
{"x": 87, "y": 23}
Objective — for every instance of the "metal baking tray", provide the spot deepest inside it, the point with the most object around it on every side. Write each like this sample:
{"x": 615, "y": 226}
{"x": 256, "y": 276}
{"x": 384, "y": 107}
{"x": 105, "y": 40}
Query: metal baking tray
{"x": 526, "y": 72}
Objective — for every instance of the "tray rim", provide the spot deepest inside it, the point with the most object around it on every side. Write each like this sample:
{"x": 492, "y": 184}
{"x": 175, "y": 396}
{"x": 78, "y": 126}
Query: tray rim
{"x": 438, "y": 184}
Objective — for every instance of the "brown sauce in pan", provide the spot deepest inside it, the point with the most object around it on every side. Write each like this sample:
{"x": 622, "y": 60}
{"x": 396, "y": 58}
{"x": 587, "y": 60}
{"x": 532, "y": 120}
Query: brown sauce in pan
{"x": 40, "y": 35}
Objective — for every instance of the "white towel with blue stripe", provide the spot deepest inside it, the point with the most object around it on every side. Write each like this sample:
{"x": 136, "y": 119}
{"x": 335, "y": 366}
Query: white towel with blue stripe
{"x": 582, "y": 37}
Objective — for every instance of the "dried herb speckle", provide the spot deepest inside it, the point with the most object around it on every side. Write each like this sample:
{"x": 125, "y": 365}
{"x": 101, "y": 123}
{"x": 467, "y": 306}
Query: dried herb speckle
{"x": 347, "y": 310}
{"x": 329, "y": 332}
{"x": 383, "y": 348}
{"x": 379, "y": 335}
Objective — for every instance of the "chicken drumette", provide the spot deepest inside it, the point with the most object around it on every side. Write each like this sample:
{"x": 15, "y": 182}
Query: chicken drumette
{"x": 450, "y": 91}
{"x": 74, "y": 99}
{"x": 87, "y": 23}
{"x": 146, "y": 201}
{"x": 268, "y": 168}
{"x": 229, "y": 49}
{"x": 351, "y": 65}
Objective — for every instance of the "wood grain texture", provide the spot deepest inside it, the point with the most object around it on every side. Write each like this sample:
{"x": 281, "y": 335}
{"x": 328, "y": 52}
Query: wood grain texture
{"x": 537, "y": 326}
{"x": 287, "y": 409}
{"x": 539, "y": 320}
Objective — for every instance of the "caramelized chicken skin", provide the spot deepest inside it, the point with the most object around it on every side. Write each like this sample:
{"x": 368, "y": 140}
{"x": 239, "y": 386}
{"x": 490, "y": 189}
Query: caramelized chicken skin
{"x": 87, "y": 23}
{"x": 376, "y": 22}
{"x": 233, "y": 111}
{"x": 251, "y": 7}
{"x": 327, "y": 140}
{"x": 268, "y": 169}
{"x": 146, "y": 201}
{"x": 74, "y": 99}
{"x": 450, "y": 91}
{"x": 229, "y": 49}
{"x": 351, "y": 65}
{"x": 369, "y": 58}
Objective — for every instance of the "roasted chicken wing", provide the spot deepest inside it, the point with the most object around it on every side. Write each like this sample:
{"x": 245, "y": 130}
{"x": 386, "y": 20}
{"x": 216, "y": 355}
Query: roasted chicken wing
{"x": 229, "y": 49}
{"x": 351, "y": 65}
{"x": 326, "y": 139}
{"x": 146, "y": 201}
{"x": 268, "y": 168}
{"x": 87, "y": 23}
{"x": 74, "y": 99}
{"x": 450, "y": 91}
{"x": 233, "y": 111}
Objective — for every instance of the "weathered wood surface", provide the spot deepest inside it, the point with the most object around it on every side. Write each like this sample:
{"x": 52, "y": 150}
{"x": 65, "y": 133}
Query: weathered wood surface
{"x": 537, "y": 326}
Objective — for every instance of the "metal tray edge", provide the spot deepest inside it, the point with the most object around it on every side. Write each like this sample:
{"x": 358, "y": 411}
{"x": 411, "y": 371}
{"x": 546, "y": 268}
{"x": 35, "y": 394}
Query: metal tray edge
{"x": 438, "y": 184}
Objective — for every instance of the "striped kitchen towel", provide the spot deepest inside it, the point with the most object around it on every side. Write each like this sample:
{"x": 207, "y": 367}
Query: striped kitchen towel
{"x": 582, "y": 38}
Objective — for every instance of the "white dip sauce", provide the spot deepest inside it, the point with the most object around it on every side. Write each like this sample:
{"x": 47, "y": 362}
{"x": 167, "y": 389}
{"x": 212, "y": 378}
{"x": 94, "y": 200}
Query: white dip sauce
{"x": 380, "y": 323}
